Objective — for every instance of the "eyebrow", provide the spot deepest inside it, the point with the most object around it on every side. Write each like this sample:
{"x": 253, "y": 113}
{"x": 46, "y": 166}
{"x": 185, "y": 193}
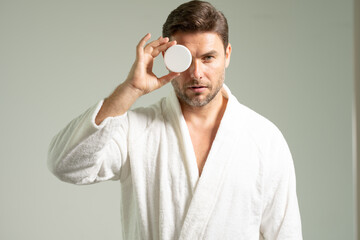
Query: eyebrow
{"x": 212, "y": 52}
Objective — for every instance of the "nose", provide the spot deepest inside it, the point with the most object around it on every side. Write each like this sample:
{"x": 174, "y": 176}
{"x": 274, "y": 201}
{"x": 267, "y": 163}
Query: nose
{"x": 195, "y": 69}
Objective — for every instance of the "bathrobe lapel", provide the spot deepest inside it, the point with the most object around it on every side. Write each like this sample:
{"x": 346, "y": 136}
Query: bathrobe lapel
{"x": 183, "y": 135}
{"x": 206, "y": 188}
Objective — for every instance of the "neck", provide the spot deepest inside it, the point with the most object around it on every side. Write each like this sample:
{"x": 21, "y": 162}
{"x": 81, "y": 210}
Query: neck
{"x": 208, "y": 115}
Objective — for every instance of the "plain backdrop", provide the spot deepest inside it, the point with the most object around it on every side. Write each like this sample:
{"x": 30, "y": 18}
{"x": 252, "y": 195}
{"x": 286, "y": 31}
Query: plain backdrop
{"x": 292, "y": 62}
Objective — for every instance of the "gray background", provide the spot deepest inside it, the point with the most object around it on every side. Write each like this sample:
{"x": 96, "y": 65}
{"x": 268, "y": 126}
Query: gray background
{"x": 292, "y": 61}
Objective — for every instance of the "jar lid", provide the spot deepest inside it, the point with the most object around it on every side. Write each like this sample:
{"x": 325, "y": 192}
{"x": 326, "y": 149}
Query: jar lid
{"x": 177, "y": 58}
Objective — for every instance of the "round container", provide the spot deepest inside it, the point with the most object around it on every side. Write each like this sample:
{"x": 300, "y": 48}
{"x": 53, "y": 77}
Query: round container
{"x": 177, "y": 58}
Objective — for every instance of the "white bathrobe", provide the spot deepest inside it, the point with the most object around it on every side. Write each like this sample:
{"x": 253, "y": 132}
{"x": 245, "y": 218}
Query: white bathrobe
{"x": 246, "y": 191}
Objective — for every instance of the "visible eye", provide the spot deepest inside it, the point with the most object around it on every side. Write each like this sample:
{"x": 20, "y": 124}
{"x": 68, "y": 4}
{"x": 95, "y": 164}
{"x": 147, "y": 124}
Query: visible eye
{"x": 208, "y": 58}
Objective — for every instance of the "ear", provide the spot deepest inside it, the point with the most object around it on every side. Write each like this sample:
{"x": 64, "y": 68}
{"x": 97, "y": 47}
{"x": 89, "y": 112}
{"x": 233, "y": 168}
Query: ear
{"x": 227, "y": 55}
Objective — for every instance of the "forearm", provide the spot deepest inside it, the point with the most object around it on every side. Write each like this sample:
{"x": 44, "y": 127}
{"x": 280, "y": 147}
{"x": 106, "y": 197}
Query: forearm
{"x": 119, "y": 102}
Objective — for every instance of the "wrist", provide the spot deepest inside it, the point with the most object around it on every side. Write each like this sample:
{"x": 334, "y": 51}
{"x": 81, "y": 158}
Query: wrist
{"x": 136, "y": 92}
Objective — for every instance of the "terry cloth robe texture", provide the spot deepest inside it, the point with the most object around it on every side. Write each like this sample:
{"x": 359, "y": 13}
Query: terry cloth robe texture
{"x": 247, "y": 188}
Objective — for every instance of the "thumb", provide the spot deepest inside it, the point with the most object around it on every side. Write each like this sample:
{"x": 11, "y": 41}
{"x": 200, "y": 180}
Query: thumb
{"x": 167, "y": 78}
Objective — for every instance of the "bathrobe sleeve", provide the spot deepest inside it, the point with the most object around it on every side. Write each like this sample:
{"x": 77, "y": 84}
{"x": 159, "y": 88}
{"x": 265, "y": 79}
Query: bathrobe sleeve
{"x": 85, "y": 153}
{"x": 281, "y": 216}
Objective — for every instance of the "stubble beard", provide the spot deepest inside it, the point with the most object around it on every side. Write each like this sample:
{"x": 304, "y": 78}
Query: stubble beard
{"x": 194, "y": 100}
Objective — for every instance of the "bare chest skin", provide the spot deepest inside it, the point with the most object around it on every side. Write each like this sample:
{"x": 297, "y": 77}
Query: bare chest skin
{"x": 202, "y": 140}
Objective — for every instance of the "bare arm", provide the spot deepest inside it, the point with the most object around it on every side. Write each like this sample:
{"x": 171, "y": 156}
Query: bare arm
{"x": 140, "y": 81}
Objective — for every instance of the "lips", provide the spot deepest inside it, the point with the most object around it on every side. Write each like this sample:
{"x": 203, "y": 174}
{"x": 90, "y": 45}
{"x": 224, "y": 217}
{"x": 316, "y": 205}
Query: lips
{"x": 197, "y": 88}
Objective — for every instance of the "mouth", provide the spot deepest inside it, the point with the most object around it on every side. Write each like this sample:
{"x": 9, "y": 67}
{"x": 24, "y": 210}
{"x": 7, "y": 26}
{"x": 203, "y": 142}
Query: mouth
{"x": 197, "y": 88}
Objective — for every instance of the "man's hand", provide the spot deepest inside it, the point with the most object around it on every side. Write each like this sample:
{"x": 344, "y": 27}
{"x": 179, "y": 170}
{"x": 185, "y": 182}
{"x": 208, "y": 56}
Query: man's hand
{"x": 141, "y": 77}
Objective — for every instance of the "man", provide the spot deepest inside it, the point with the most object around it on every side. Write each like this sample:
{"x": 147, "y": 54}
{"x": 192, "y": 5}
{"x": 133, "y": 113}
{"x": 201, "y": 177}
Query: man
{"x": 195, "y": 165}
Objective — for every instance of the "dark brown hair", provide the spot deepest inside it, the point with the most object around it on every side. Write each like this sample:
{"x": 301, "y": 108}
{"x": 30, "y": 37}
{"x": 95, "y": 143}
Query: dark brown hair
{"x": 197, "y": 16}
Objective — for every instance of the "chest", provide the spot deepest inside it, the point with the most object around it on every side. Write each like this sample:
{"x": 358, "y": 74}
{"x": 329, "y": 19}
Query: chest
{"x": 163, "y": 173}
{"x": 202, "y": 141}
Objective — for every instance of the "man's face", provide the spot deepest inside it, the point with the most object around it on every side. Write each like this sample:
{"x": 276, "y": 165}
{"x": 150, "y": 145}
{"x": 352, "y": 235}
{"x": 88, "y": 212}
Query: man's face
{"x": 203, "y": 80}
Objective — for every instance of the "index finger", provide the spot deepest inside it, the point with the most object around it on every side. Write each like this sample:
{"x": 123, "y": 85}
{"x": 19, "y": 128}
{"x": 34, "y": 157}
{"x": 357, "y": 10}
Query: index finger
{"x": 141, "y": 44}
